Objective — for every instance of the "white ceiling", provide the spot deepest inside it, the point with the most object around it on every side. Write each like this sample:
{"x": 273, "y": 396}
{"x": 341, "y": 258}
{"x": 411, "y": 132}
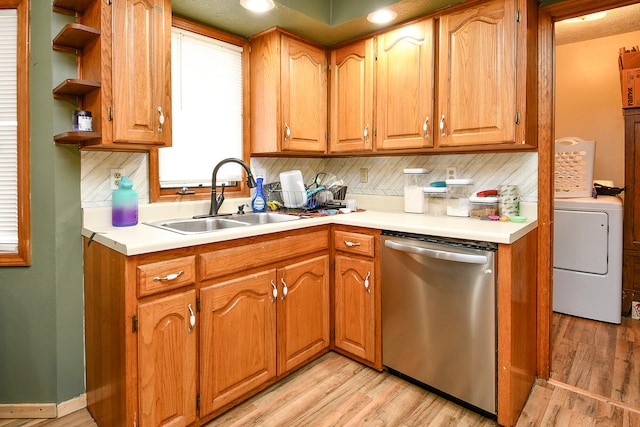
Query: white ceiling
{"x": 617, "y": 21}
{"x": 332, "y": 21}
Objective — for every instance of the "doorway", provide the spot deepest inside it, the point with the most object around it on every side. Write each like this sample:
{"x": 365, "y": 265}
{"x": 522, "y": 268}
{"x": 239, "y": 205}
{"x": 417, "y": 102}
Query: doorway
{"x": 593, "y": 356}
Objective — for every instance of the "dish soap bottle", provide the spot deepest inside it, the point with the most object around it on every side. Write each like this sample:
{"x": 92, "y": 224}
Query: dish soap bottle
{"x": 259, "y": 202}
{"x": 124, "y": 204}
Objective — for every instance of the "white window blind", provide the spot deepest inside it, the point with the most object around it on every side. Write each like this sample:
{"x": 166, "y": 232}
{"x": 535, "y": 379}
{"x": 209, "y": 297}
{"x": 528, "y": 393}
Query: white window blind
{"x": 8, "y": 131}
{"x": 207, "y": 111}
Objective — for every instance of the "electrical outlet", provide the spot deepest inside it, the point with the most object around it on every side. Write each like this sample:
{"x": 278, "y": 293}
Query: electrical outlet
{"x": 451, "y": 172}
{"x": 364, "y": 175}
{"x": 114, "y": 178}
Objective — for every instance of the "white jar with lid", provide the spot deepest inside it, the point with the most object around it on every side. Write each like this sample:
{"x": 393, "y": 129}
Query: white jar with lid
{"x": 414, "y": 182}
{"x": 458, "y": 193}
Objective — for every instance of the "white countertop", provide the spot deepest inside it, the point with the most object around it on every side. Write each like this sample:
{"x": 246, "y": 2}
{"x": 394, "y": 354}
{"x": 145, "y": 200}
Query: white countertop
{"x": 144, "y": 238}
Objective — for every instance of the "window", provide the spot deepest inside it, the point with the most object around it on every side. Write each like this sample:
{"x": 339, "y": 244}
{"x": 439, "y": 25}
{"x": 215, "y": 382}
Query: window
{"x": 15, "y": 224}
{"x": 207, "y": 112}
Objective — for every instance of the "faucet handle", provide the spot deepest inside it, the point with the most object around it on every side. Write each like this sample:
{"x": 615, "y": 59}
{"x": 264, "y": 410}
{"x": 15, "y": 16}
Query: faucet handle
{"x": 241, "y": 208}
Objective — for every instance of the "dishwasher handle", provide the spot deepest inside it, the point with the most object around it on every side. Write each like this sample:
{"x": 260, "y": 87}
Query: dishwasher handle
{"x": 434, "y": 253}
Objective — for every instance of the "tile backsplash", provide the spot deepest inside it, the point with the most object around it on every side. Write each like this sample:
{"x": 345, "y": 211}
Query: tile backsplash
{"x": 385, "y": 177}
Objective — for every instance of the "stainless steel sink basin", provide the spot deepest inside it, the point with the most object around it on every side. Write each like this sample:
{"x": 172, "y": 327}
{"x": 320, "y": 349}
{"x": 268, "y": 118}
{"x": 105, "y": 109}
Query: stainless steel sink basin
{"x": 209, "y": 224}
{"x": 264, "y": 218}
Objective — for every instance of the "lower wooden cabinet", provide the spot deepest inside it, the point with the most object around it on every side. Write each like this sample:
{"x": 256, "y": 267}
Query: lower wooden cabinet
{"x": 167, "y": 361}
{"x": 174, "y": 336}
{"x": 354, "y": 306}
{"x": 356, "y": 303}
{"x": 259, "y": 326}
{"x": 237, "y": 338}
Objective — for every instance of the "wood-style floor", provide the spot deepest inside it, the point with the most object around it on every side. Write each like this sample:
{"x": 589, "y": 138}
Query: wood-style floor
{"x": 595, "y": 382}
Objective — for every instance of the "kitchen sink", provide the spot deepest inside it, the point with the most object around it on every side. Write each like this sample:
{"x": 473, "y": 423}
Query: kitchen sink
{"x": 210, "y": 224}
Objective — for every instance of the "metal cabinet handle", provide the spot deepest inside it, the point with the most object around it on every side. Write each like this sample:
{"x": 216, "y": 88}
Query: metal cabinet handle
{"x": 351, "y": 244}
{"x": 169, "y": 277}
{"x": 274, "y": 292}
{"x": 442, "y": 132}
{"x": 366, "y": 282}
{"x": 366, "y": 133}
{"x": 192, "y": 318}
{"x": 287, "y": 132}
{"x": 425, "y": 128}
{"x": 285, "y": 289}
{"x": 160, "y": 119}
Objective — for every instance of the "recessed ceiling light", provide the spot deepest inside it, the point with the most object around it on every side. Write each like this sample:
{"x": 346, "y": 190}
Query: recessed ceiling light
{"x": 381, "y": 16}
{"x": 586, "y": 18}
{"x": 257, "y": 5}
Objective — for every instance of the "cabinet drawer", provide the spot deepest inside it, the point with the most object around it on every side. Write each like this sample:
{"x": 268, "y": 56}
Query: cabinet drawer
{"x": 244, "y": 257}
{"x": 355, "y": 243}
{"x": 166, "y": 275}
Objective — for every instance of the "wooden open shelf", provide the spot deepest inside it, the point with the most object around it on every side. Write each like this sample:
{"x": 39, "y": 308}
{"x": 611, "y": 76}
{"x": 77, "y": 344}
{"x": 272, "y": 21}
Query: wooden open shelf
{"x": 75, "y": 137}
{"x": 71, "y": 7}
{"x": 73, "y": 88}
{"x": 74, "y": 37}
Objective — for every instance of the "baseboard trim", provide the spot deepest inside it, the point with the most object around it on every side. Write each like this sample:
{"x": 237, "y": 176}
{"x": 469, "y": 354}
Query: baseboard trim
{"x": 72, "y": 405}
{"x": 43, "y": 410}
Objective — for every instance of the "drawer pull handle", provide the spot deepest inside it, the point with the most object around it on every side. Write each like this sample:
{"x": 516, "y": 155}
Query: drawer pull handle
{"x": 442, "y": 131}
{"x": 351, "y": 244}
{"x": 169, "y": 277}
{"x": 285, "y": 290}
{"x": 425, "y": 128}
{"x": 192, "y": 318}
{"x": 274, "y": 292}
{"x": 366, "y": 282}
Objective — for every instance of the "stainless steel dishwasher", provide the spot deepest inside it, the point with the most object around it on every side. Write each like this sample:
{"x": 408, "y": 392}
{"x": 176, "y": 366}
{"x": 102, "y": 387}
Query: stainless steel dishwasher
{"x": 439, "y": 315}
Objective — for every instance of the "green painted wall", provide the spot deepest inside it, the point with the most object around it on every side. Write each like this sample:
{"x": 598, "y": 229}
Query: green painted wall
{"x": 41, "y": 306}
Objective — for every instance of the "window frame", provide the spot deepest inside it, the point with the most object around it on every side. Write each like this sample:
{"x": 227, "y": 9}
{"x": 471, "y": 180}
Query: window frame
{"x": 23, "y": 256}
{"x": 157, "y": 194}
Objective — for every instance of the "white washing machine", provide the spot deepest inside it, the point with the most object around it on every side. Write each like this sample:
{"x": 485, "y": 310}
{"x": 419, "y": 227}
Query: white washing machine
{"x": 587, "y": 257}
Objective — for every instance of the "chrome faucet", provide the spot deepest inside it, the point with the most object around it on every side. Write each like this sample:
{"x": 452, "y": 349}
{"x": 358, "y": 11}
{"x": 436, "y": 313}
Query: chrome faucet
{"x": 217, "y": 199}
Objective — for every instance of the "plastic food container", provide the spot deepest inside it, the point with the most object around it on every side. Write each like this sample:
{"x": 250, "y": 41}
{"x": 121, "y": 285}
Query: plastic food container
{"x": 436, "y": 203}
{"x": 414, "y": 182}
{"x": 481, "y": 207}
{"x": 458, "y": 193}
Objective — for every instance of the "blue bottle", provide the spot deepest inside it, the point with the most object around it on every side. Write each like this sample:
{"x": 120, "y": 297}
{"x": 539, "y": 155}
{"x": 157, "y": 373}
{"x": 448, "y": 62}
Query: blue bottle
{"x": 259, "y": 202}
{"x": 124, "y": 204}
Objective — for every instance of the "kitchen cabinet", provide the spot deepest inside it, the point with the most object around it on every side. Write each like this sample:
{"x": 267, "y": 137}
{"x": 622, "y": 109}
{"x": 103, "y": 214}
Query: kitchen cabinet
{"x": 260, "y": 326}
{"x": 166, "y": 330}
{"x": 351, "y": 108}
{"x": 139, "y": 337}
{"x": 124, "y": 72}
{"x": 631, "y": 223}
{"x": 477, "y": 75}
{"x": 288, "y": 85}
{"x": 405, "y": 80}
{"x": 357, "y": 295}
{"x": 167, "y": 360}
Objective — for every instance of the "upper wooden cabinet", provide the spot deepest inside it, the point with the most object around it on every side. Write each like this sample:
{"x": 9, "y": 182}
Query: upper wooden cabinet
{"x": 404, "y": 99}
{"x": 477, "y": 76}
{"x": 351, "y": 105}
{"x": 124, "y": 67}
{"x": 288, "y": 84}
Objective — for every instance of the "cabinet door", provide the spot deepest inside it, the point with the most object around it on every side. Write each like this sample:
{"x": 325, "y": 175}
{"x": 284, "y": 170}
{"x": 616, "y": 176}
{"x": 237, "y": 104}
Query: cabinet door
{"x": 352, "y": 97}
{"x": 355, "y": 306}
{"x": 303, "y": 97}
{"x": 167, "y": 361}
{"x": 405, "y": 87}
{"x": 142, "y": 71}
{"x": 303, "y": 312}
{"x": 476, "y": 90}
{"x": 237, "y": 338}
